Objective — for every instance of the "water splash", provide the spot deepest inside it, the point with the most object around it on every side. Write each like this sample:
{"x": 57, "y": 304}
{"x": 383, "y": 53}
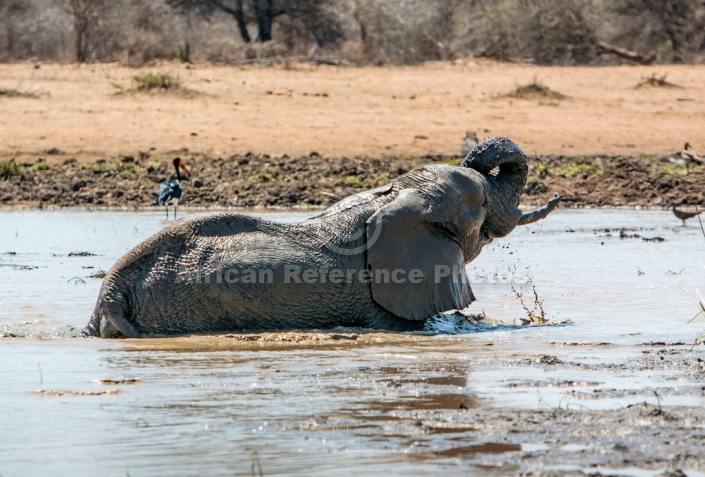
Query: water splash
{"x": 456, "y": 323}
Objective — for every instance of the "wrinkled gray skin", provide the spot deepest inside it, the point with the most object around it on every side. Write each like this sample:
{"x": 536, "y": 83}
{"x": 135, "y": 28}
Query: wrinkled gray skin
{"x": 190, "y": 277}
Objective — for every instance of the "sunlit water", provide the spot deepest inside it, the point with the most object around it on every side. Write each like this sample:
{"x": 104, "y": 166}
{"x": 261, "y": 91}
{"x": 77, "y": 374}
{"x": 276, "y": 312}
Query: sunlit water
{"x": 212, "y": 406}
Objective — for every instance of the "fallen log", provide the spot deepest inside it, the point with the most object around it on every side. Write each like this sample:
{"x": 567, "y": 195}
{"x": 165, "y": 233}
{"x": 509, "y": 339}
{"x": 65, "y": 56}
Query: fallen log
{"x": 606, "y": 48}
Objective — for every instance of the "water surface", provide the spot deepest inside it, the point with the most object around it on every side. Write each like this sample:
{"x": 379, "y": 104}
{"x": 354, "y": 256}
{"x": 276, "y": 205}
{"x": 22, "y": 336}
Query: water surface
{"x": 330, "y": 404}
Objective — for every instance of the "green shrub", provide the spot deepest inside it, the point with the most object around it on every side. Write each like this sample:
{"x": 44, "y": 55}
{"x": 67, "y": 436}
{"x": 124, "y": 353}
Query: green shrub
{"x": 355, "y": 182}
{"x": 99, "y": 166}
{"x": 674, "y": 169}
{"x": 180, "y": 53}
{"x": 262, "y": 177}
{"x": 40, "y": 166}
{"x": 160, "y": 81}
{"x": 380, "y": 181}
{"x": 129, "y": 168}
{"x": 576, "y": 168}
{"x": 10, "y": 169}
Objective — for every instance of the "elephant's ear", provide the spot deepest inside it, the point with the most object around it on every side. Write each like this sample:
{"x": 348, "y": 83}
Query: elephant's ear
{"x": 430, "y": 269}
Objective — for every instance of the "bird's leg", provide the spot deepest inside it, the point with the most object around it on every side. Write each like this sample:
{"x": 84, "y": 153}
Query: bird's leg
{"x": 176, "y": 205}
{"x": 167, "y": 211}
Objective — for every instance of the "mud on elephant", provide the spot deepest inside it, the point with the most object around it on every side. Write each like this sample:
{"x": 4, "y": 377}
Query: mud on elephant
{"x": 389, "y": 258}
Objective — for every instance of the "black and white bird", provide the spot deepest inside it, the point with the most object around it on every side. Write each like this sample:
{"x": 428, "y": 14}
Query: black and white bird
{"x": 171, "y": 190}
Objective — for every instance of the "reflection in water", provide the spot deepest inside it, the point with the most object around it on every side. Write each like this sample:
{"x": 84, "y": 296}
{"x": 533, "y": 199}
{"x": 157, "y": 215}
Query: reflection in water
{"x": 425, "y": 401}
{"x": 334, "y": 403}
{"x": 486, "y": 448}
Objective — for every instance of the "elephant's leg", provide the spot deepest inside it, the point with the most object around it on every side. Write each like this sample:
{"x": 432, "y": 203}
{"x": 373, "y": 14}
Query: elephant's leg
{"x": 109, "y": 320}
{"x": 114, "y": 323}
{"x": 107, "y": 329}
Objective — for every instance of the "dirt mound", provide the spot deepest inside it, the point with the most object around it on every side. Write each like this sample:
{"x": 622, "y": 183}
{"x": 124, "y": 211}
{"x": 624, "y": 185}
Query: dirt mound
{"x": 266, "y": 181}
{"x": 615, "y": 181}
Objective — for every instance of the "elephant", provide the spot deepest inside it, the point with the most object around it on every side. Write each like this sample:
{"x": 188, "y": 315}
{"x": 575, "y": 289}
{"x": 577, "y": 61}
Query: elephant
{"x": 388, "y": 258}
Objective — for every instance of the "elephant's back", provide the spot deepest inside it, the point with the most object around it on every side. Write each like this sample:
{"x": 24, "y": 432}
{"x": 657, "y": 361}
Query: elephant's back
{"x": 279, "y": 277}
{"x": 253, "y": 280}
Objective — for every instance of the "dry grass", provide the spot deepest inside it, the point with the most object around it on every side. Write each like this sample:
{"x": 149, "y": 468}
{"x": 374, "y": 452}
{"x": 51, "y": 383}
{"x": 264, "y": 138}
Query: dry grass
{"x": 656, "y": 82}
{"x": 149, "y": 81}
{"x": 368, "y": 111}
{"x": 533, "y": 90}
{"x": 16, "y": 93}
{"x": 154, "y": 82}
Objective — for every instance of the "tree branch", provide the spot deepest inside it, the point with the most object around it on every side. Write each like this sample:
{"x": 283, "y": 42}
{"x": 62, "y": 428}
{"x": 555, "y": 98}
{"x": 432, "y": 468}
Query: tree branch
{"x": 236, "y": 12}
{"x": 626, "y": 54}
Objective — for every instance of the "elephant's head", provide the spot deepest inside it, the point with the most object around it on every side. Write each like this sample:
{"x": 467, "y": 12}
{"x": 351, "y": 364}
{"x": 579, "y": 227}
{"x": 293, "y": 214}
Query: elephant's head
{"x": 442, "y": 227}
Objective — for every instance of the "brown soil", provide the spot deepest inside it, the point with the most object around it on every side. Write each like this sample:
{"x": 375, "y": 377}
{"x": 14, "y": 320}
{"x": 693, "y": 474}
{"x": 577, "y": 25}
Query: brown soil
{"x": 368, "y": 125}
{"x": 314, "y": 181}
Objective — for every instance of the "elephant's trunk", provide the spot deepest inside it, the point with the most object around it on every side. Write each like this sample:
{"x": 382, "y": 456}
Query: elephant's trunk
{"x": 541, "y": 213}
{"x": 505, "y": 187}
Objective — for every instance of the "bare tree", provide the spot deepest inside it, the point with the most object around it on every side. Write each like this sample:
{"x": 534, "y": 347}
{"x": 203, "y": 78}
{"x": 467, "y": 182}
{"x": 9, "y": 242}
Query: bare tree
{"x": 311, "y": 21}
{"x": 680, "y": 21}
{"x": 10, "y": 9}
{"x": 559, "y": 32}
{"x": 84, "y": 14}
{"x": 265, "y": 13}
{"x": 261, "y": 12}
{"x": 389, "y": 33}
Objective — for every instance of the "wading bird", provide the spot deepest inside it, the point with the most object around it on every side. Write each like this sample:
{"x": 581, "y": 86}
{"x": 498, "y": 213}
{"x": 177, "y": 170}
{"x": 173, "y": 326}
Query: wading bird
{"x": 171, "y": 190}
{"x": 683, "y": 215}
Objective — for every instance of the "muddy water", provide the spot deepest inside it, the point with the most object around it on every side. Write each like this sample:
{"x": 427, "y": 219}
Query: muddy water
{"x": 340, "y": 403}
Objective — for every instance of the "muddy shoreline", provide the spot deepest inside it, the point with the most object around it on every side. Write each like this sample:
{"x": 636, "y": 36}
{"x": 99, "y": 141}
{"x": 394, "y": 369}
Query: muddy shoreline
{"x": 54, "y": 179}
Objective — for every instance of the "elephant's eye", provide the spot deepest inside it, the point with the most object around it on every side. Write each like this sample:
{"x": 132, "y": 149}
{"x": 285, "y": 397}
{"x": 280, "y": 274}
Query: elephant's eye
{"x": 485, "y": 236}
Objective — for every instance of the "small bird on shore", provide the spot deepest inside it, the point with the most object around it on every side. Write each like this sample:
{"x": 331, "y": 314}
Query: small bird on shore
{"x": 171, "y": 190}
{"x": 690, "y": 156}
{"x": 683, "y": 215}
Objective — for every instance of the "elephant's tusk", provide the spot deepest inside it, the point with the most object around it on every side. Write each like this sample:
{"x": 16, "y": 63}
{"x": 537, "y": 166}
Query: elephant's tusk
{"x": 541, "y": 213}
